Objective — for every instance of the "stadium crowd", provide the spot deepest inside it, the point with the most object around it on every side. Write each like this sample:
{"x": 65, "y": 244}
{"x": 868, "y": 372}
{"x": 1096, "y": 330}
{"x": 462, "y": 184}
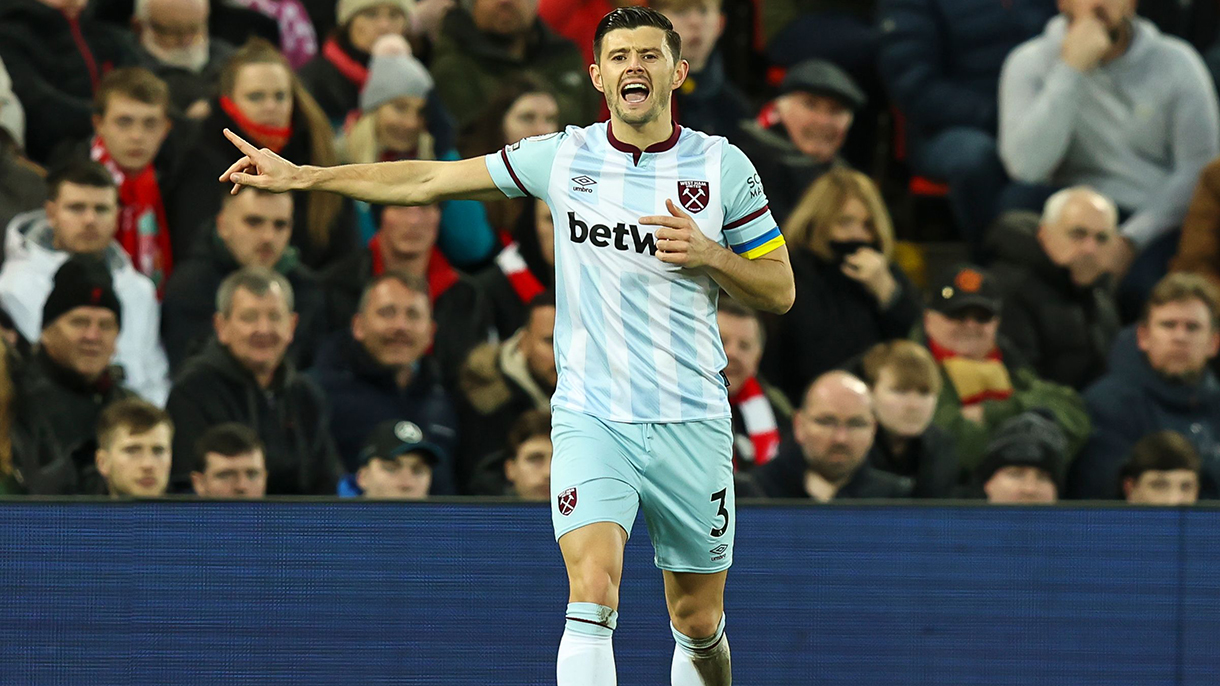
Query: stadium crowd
{"x": 161, "y": 335}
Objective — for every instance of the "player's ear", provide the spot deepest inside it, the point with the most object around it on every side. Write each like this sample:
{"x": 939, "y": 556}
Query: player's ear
{"x": 595, "y": 75}
{"x": 681, "y": 73}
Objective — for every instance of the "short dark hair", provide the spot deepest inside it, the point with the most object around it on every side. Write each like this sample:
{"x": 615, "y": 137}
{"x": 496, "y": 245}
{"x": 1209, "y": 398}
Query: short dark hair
{"x": 229, "y": 439}
{"x": 410, "y": 281}
{"x": 136, "y": 83}
{"x": 80, "y": 171}
{"x": 634, "y": 18}
{"x": 529, "y": 425}
{"x": 136, "y": 415}
{"x": 1162, "y": 451}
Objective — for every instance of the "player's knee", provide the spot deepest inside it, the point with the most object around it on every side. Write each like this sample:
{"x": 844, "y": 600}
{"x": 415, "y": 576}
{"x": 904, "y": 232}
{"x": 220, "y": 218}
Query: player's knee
{"x": 592, "y": 583}
{"x": 696, "y": 622}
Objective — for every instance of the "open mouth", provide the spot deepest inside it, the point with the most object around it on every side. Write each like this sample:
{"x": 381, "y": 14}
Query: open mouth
{"x": 634, "y": 92}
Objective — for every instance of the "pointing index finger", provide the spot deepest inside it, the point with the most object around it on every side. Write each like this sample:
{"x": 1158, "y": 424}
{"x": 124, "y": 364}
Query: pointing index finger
{"x": 241, "y": 143}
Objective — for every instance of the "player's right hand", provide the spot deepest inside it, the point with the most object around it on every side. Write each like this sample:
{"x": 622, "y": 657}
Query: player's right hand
{"x": 260, "y": 168}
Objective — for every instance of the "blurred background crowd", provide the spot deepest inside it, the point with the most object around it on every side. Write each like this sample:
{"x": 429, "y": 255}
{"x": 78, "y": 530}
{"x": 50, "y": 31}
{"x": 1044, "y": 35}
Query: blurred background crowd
{"x": 1003, "y": 218}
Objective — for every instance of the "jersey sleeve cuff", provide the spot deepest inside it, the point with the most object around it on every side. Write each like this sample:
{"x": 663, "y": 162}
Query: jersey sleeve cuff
{"x": 502, "y": 173}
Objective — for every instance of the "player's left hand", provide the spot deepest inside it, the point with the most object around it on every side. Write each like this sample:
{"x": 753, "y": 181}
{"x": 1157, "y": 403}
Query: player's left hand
{"x": 679, "y": 240}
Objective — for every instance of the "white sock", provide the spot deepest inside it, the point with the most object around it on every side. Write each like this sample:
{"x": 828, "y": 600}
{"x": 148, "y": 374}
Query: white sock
{"x": 701, "y": 661}
{"x": 586, "y": 652}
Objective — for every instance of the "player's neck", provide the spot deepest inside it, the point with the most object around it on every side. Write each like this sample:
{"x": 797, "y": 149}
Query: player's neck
{"x": 642, "y": 137}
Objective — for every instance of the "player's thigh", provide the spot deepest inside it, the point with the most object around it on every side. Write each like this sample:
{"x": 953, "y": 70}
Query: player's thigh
{"x": 687, "y": 496}
{"x": 695, "y": 601}
{"x": 594, "y": 474}
{"x": 593, "y": 557}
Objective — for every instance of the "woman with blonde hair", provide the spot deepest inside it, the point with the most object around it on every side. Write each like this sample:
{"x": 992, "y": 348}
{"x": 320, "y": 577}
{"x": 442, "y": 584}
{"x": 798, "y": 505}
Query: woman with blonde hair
{"x": 264, "y": 102}
{"x": 849, "y": 293}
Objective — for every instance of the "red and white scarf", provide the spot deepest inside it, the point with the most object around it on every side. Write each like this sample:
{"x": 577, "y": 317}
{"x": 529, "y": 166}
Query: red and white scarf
{"x": 441, "y": 275}
{"x": 142, "y": 228}
{"x": 524, "y": 283}
{"x": 751, "y": 404}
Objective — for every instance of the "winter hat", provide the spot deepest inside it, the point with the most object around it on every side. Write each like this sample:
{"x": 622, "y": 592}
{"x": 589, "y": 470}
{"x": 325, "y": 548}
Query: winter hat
{"x": 82, "y": 281}
{"x": 346, "y": 9}
{"x": 394, "y": 76}
{"x": 1030, "y": 439}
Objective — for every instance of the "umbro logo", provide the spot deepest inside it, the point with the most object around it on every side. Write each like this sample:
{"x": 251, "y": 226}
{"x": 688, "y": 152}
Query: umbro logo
{"x": 582, "y": 184}
{"x": 719, "y": 549}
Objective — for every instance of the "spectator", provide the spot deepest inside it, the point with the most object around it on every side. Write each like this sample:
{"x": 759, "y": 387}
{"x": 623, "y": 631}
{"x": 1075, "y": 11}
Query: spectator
{"x": 522, "y": 106}
{"x": 1059, "y": 312}
{"x": 986, "y": 381}
{"x": 244, "y": 377}
{"x": 762, "y": 414}
{"x": 1199, "y": 251}
{"x": 523, "y": 269}
{"x": 1159, "y": 380}
{"x": 941, "y": 61}
{"x": 133, "y": 449}
{"x": 22, "y": 187}
{"x": 253, "y": 229}
{"x": 523, "y": 469}
{"x": 814, "y": 111}
{"x": 485, "y": 41}
{"x": 396, "y": 124}
{"x": 31, "y": 461}
{"x": 851, "y": 295}
{"x": 229, "y": 463}
{"x": 397, "y": 463}
{"x": 577, "y": 20}
{"x": 905, "y": 383}
{"x": 263, "y": 102}
{"x": 1163, "y": 470}
{"x": 298, "y": 42}
{"x": 131, "y": 123}
{"x": 80, "y": 220}
{"x": 175, "y": 45}
{"x": 501, "y": 381}
{"x": 407, "y": 243}
{"x": 1025, "y": 461}
{"x": 828, "y": 459}
{"x": 707, "y": 101}
{"x": 57, "y": 54}
{"x": 1059, "y": 124}
{"x": 72, "y": 380}
{"x": 380, "y": 370}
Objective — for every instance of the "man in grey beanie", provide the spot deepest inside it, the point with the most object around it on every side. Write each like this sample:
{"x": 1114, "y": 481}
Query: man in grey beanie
{"x": 1025, "y": 461}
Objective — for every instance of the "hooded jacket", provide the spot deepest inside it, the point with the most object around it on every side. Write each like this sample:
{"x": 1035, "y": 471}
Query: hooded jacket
{"x": 190, "y": 301}
{"x": 1064, "y": 331}
{"x": 363, "y": 394}
{"x": 495, "y": 388}
{"x": 26, "y": 280}
{"x": 469, "y": 65}
{"x": 55, "y": 78}
{"x": 290, "y": 418}
{"x": 1132, "y": 401}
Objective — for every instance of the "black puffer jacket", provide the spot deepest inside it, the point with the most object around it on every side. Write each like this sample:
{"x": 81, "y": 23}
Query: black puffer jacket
{"x": 1063, "y": 330}
{"x": 930, "y": 459}
{"x": 290, "y": 417}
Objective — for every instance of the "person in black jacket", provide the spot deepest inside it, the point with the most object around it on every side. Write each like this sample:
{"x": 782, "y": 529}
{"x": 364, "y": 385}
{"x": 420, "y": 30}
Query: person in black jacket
{"x": 56, "y": 55}
{"x": 243, "y": 376}
{"x": 906, "y": 383}
{"x": 849, "y": 294}
{"x": 406, "y": 242}
{"x": 176, "y": 46}
{"x": 827, "y": 459}
{"x": 521, "y": 271}
{"x": 262, "y": 101}
{"x": 378, "y": 371}
{"x": 32, "y": 461}
{"x": 1058, "y": 308}
{"x": 253, "y": 229}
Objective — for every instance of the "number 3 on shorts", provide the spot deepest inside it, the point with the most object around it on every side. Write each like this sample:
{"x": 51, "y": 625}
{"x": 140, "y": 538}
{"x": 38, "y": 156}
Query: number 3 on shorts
{"x": 722, "y": 512}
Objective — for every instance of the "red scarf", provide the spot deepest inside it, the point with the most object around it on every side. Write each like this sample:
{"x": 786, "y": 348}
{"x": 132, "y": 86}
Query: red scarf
{"x": 351, "y": 69}
{"x": 524, "y": 283}
{"x": 142, "y": 230}
{"x": 441, "y": 275}
{"x": 751, "y": 405}
{"x": 272, "y": 137}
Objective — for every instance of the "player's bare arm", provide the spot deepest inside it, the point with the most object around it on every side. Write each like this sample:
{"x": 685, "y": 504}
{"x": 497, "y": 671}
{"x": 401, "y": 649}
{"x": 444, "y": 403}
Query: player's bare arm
{"x": 764, "y": 283}
{"x": 409, "y": 182}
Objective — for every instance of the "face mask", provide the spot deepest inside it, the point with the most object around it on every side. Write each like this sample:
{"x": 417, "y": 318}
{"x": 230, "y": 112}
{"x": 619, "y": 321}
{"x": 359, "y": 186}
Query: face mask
{"x": 843, "y": 249}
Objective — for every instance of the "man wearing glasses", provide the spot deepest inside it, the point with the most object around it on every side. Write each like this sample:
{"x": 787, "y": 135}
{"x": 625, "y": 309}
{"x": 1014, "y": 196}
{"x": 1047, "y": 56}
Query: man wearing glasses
{"x": 986, "y": 381}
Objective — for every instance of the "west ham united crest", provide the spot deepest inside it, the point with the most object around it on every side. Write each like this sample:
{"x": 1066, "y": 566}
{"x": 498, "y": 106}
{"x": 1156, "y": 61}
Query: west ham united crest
{"x": 694, "y": 194}
{"x": 567, "y": 501}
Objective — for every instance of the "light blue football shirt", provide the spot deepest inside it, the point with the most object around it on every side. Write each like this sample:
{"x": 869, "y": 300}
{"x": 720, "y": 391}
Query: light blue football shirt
{"x": 636, "y": 339}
